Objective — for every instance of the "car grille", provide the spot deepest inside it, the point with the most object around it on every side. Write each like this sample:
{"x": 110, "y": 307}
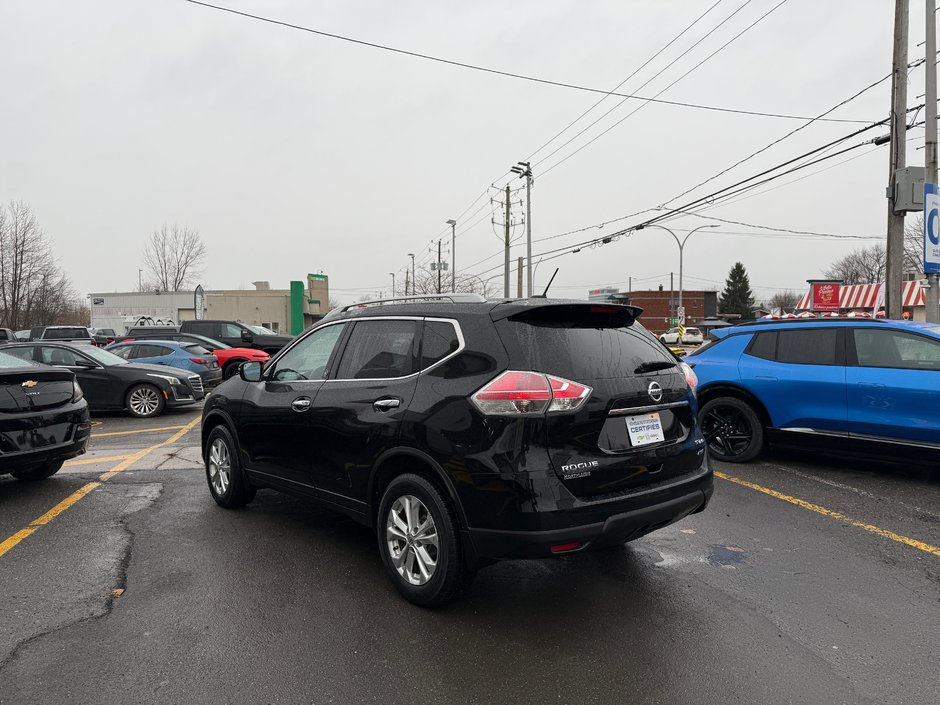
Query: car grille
{"x": 196, "y": 383}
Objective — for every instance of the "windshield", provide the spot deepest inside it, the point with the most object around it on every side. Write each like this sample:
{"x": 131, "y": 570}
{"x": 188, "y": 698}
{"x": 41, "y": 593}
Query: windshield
{"x": 259, "y": 330}
{"x": 104, "y": 357}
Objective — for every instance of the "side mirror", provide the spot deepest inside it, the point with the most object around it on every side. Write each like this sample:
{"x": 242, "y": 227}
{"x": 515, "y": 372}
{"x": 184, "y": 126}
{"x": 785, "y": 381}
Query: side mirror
{"x": 247, "y": 337}
{"x": 87, "y": 364}
{"x": 250, "y": 371}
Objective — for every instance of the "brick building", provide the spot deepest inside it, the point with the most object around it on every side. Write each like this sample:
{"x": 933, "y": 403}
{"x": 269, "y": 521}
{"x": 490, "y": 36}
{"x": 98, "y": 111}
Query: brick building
{"x": 659, "y": 305}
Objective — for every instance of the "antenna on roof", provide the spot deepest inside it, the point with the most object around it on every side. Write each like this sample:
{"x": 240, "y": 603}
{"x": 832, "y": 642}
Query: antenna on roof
{"x": 544, "y": 294}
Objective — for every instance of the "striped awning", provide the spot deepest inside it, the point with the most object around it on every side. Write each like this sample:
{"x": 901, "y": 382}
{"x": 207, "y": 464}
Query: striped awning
{"x": 864, "y": 295}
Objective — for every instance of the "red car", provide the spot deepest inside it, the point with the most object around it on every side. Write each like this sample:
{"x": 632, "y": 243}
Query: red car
{"x": 229, "y": 358}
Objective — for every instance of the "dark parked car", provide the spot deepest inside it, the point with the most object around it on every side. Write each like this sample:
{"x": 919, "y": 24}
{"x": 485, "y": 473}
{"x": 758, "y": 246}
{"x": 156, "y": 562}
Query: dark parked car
{"x": 238, "y": 335}
{"x": 465, "y": 431}
{"x": 856, "y": 384}
{"x": 43, "y": 418}
{"x": 110, "y": 382}
{"x": 103, "y": 336}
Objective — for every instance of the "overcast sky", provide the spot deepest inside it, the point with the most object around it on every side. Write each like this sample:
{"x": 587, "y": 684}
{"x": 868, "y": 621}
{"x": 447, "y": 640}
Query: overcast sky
{"x": 295, "y": 153}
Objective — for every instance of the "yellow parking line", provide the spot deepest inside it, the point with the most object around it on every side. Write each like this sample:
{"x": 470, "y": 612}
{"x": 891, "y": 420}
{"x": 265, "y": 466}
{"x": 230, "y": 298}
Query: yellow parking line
{"x": 136, "y": 430}
{"x": 92, "y": 461}
{"x": 871, "y": 528}
{"x": 129, "y": 460}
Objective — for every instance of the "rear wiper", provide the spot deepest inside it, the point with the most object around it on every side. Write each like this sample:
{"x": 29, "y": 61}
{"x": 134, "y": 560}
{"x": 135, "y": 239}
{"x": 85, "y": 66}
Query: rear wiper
{"x": 653, "y": 366}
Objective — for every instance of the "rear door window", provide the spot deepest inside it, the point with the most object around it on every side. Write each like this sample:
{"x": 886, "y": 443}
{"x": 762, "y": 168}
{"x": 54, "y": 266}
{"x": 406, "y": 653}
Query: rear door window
{"x": 60, "y": 357}
{"x": 381, "y": 349}
{"x": 25, "y": 354}
{"x": 895, "y": 349}
{"x": 816, "y": 346}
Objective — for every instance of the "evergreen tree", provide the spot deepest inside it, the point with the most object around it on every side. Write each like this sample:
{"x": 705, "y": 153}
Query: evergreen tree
{"x": 737, "y": 296}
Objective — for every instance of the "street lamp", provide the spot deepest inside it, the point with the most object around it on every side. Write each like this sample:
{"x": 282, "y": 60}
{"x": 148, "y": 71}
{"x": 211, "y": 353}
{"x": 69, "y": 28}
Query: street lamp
{"x": 413, "y": 282}
{"x": 681, "y": 244}
{"x": 393, "y": 283}
{"x": 453, "y": 255}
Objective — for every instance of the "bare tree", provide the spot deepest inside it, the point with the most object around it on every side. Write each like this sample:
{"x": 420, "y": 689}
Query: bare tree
{"x": 426, "y": 283}
{"x": 866, "y": 265}
{"x": 174, "y": 256}
{"x": 33, "y": 289}
{"x": 784, "y": 300}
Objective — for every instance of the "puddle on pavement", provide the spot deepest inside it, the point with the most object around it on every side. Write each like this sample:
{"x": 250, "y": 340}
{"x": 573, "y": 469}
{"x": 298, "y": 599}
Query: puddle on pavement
{"x": 725, "y": 555}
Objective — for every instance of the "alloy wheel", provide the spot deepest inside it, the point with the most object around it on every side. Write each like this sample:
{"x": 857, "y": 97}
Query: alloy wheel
{"x": 727, "y": 431}
{"x": 411, "y": 536}
{"x": 220, "y": 467}
{"x": 144, "y": 401}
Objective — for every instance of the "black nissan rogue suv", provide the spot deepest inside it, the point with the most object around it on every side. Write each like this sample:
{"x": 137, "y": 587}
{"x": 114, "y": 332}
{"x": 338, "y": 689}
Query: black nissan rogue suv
{"x": 467, "y": 431}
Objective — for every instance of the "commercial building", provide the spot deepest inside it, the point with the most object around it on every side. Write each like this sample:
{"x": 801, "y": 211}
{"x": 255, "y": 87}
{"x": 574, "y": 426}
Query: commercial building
{"x": 659, "y": 305}
{"x": 287, "y": 311}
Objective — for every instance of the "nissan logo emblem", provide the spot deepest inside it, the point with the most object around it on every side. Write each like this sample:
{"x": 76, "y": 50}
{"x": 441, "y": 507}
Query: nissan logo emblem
{"x": 655, "y": 391}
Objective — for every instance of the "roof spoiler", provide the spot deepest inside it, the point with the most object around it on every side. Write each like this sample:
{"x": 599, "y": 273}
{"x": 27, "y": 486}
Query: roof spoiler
{"x": 575, "y": 311}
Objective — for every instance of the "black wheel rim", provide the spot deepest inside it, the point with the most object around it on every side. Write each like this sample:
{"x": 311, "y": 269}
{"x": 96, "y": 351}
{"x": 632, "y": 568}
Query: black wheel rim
{"x": 727, "y": 430}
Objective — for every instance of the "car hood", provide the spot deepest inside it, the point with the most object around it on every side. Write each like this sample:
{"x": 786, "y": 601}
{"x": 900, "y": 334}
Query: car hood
{"x": 247, "y": 352}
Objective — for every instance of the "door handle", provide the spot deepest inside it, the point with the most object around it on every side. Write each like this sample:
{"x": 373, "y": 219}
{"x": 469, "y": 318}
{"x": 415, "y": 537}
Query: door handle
{"x": 300, "y": 404}
{"x": 386, "y": 404}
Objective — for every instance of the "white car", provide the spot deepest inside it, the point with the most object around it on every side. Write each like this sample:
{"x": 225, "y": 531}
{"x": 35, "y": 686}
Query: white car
{"x": 692, "y": 336}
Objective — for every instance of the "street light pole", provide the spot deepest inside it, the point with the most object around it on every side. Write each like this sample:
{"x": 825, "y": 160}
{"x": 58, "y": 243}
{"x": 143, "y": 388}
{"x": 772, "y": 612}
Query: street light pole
{"x": 681, "y": 244}
{"x": 453, "y": 255}
{"x": 393, "y": 284}
{"x": 413, "y": 282}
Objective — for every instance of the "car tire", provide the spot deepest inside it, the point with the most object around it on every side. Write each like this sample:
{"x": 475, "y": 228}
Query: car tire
{"x": 662, "y": 339}
{"x": 231, "y": 369}
{"x": 145, "y": 401}
{"x": 425, "y": 564}
{"x": 228, "y": 484}
{"x": 38, "y": 473}
{"x": 732, "y": 428}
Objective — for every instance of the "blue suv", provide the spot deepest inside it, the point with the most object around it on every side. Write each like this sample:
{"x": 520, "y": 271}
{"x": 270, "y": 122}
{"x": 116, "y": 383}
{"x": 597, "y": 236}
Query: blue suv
{"x": 859, "y": 379}
{"x": 172, "y": 353}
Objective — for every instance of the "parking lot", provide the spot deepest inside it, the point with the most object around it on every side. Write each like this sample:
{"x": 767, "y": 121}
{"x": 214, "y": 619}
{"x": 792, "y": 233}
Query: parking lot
{"x": 803, "y": 582}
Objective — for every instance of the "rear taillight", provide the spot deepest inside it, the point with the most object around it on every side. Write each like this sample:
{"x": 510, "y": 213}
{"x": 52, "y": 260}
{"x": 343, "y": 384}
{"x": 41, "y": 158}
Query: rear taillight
{"x": 200, "y": 360}
{"x": 77, "y": 393}
{"x": 516, "y": 393}
{"x": 690, "y": 377}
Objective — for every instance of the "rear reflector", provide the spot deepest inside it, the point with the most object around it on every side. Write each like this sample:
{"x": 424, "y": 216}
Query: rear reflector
{"x": 516, "y": 393}
{"x": 565, "y": 547}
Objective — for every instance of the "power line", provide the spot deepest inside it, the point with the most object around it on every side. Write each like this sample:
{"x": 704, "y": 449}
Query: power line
{"x": 617, "y": 87}
{"x": 643, "y": 105}
{"x": 509, "y": 74}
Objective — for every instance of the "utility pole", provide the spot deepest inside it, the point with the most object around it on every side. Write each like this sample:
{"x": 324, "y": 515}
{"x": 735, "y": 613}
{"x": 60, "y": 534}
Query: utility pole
{"x": 930, "y": 141}
{"x": 438, "y": 266}
{"x": 414, "y": 282}
{"x": 393, "y": 284}
{"x": 630, "y": 285}
{"x": 506, "y": 253}
{"x": 519, "y": 283}
{"x": 672, "y": 295}
{"x": 140, "y": 281}
{"x": 896, "y": 160}
{"x": 453, "y": 255}
{"x": 406, "y": 280}
{"x": 525, "y": 169}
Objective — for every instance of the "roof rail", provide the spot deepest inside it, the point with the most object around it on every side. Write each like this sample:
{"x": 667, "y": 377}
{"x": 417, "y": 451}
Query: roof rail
{"x": 451, "y": 298}
{"x": 821, "y": 319}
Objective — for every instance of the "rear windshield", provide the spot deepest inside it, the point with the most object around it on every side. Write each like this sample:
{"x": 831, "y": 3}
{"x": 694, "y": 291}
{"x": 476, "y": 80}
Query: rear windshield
{"x": 60, "y": 333}
{"x": 196, "y": 349}
{"x": 693, "y": 331}
{"x": 580, "y": 351}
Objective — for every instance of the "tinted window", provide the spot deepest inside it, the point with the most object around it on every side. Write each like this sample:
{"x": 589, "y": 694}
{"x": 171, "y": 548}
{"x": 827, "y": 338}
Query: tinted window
{"x": 201, "y": 327}
{"x": 891, "y": 348}
{"x": 807, "y": 347}
{"x": 439, "y": 341}
{"x": 308, "y": 359}
{"x": 379, "y": 349}
{"x": 62, "y": 357}
{"x": 23, "y": 354}
{"x": 195, "y": 349}
{"x": 149, "y": 351}
{"x": 577, "y": 351}
{"x": 60, "y": 333}
{"x": 764, "y": 345}
{"x": 3, "y": 335}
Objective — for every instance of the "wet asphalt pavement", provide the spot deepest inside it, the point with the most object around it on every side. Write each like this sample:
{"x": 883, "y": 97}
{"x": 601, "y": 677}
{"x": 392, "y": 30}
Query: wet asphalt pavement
{"x": 810, "y": 582}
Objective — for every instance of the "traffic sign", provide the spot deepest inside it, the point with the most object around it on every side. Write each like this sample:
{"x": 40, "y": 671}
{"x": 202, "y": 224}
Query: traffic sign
{"x": 931, "y": 229}
{"x": 680, "y": 312}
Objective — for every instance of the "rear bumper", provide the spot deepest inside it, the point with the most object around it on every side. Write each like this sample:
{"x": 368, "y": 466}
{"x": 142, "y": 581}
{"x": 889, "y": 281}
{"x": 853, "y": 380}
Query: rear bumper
{"x": 15, "y": 455}
{"x": 618, "y": 527}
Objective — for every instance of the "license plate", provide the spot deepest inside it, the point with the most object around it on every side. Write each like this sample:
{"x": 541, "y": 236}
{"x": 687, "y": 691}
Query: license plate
{"x": 645, "y": 429}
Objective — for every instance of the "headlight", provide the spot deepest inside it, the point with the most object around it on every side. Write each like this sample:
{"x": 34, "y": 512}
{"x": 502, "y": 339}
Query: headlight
{"x": 173, "y": 381}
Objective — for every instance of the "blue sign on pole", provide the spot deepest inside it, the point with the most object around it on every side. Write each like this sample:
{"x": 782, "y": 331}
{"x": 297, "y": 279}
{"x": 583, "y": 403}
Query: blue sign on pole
{"x": 931, "y": 229}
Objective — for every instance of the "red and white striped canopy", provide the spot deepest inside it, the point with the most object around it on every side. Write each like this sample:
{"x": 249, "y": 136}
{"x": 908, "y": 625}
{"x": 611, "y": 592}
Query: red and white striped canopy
{"x": 864, "y": 296}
